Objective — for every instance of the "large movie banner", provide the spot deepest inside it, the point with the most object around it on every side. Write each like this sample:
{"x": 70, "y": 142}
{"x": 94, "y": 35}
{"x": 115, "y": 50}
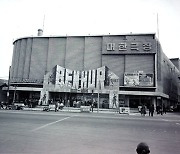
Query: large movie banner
{"x": 138, "y": 79}
{"x": 146, "y": 79}
{"x": 131, "y": 79}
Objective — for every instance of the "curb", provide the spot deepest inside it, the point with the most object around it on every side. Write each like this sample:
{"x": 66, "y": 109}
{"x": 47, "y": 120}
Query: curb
{"x": 78, "y": 110}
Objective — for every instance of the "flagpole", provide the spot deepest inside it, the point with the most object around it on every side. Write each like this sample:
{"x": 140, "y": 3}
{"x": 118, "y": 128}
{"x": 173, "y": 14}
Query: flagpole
{"x": 157, "y": 26}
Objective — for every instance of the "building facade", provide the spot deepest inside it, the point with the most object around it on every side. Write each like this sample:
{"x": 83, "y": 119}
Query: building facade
{"x": 114, "y": 70}
{"x": 3, "y": 94}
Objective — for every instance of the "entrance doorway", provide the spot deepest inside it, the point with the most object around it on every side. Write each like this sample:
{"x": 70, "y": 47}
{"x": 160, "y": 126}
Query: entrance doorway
{"x": 135, "y": 101}
{"x": 85, "y": 99}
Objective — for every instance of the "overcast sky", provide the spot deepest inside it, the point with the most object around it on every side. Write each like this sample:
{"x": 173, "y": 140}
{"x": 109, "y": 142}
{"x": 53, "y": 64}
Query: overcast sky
{"x": 21, "y": 18}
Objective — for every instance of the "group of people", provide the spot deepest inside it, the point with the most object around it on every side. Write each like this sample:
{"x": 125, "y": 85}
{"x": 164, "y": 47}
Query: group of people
{"x": 1, "y": 105}
{"x": 159, "y": 109}
{"x": 58, "y": 106}
{"x": 5, "y": 105}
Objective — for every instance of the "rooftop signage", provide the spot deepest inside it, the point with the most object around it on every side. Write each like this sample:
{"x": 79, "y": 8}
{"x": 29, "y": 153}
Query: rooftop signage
{"x": 133, "y": 46}
{"x": 118, "y": 45}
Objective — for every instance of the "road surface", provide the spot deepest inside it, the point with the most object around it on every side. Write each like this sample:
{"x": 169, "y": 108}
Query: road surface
{"x": 38, "y": 132}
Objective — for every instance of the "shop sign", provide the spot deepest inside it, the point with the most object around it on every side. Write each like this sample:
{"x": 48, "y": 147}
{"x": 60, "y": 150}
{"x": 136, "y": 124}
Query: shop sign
{"x": 80, "y": 81}
{"x": 124, "y": 110}
{"x": 26, "y": 80}
{"x": 133, "y": 46}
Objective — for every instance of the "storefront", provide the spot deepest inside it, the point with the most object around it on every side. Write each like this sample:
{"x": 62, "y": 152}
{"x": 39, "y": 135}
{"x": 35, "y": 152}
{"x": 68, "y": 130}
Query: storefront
{"x": 114, "y": 70}
{"x": 81, "y": 87}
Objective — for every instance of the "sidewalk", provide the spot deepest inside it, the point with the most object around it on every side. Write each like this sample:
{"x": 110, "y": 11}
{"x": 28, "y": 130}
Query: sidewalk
{"x": 78, "y": 110}
{"x": 133, "y": 112}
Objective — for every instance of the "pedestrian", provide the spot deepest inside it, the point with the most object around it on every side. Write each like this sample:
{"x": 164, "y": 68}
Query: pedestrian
{"x": 68, "y": 103}
{"x": 151, "y": 110}
{"x": 92, "y": 106}
{"x": 164, "y": 109}
{"x": 114, "y": 101}
{"x": 74, "y": 103}
{"x": 158, "y": 109}
{"x": 161, "y": 109}
{"x": 56, "y": 106}
{"x": 142, "y": 148}
{"x": 61, "y": 105}
{"x": 143, "y": 110}
{"x": 1, "y": 105}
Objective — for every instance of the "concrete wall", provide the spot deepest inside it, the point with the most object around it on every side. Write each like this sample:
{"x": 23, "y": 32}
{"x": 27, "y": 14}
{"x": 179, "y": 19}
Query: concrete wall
{"x": 167, "y": 76}
{"x": 33, "y": 57}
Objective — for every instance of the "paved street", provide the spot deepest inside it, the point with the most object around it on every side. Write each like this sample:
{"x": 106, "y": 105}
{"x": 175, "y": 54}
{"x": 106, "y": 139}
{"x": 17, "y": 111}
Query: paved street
{"x": 86, "y": 133}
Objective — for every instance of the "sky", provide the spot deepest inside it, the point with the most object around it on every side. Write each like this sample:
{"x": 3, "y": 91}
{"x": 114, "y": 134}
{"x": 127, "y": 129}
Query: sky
{"x": 21, "y": 18}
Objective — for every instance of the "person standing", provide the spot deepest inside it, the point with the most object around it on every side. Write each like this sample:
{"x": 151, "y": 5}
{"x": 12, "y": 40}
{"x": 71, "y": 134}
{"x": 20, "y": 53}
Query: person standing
{"x": 114, "y": 101}
{"x": 1, "y": 105}
{"x": 158, "y": 109}
{"x": 161, "y": 110}
{"x": 61, "y": 105}
{"x": 92, "y": 106}
{"x": 68, "y": 103}
{"x": 56, "y": 106}
{"x": 151, "y": 110}
{"x": 143, "y": 110}
{"x": 164, "y": 109}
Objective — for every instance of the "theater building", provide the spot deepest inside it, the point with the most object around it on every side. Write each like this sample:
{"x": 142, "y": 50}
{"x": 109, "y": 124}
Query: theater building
{"x": 114, "y": 70}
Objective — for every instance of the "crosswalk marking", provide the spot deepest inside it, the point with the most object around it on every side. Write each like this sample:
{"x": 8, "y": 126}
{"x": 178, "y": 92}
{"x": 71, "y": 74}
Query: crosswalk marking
{"x": 46, "y": 125}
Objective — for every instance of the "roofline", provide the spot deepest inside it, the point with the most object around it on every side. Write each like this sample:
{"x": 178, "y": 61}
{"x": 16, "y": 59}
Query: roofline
{"x": 98, "y": 35}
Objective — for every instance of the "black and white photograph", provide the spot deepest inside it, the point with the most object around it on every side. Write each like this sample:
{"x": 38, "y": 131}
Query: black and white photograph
{"x": 89, "y": 77}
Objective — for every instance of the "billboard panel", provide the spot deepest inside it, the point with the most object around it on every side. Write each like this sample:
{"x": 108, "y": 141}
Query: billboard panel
{"x": 146, "y": 79}
{"x": 138, "y": 79}
{"x": 131, "y": 79}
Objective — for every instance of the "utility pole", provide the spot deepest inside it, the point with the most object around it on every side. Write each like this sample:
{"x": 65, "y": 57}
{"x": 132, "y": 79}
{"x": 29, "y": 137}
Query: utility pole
{"x": 8, "y": 85}
{"x": 99, "y": 89}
